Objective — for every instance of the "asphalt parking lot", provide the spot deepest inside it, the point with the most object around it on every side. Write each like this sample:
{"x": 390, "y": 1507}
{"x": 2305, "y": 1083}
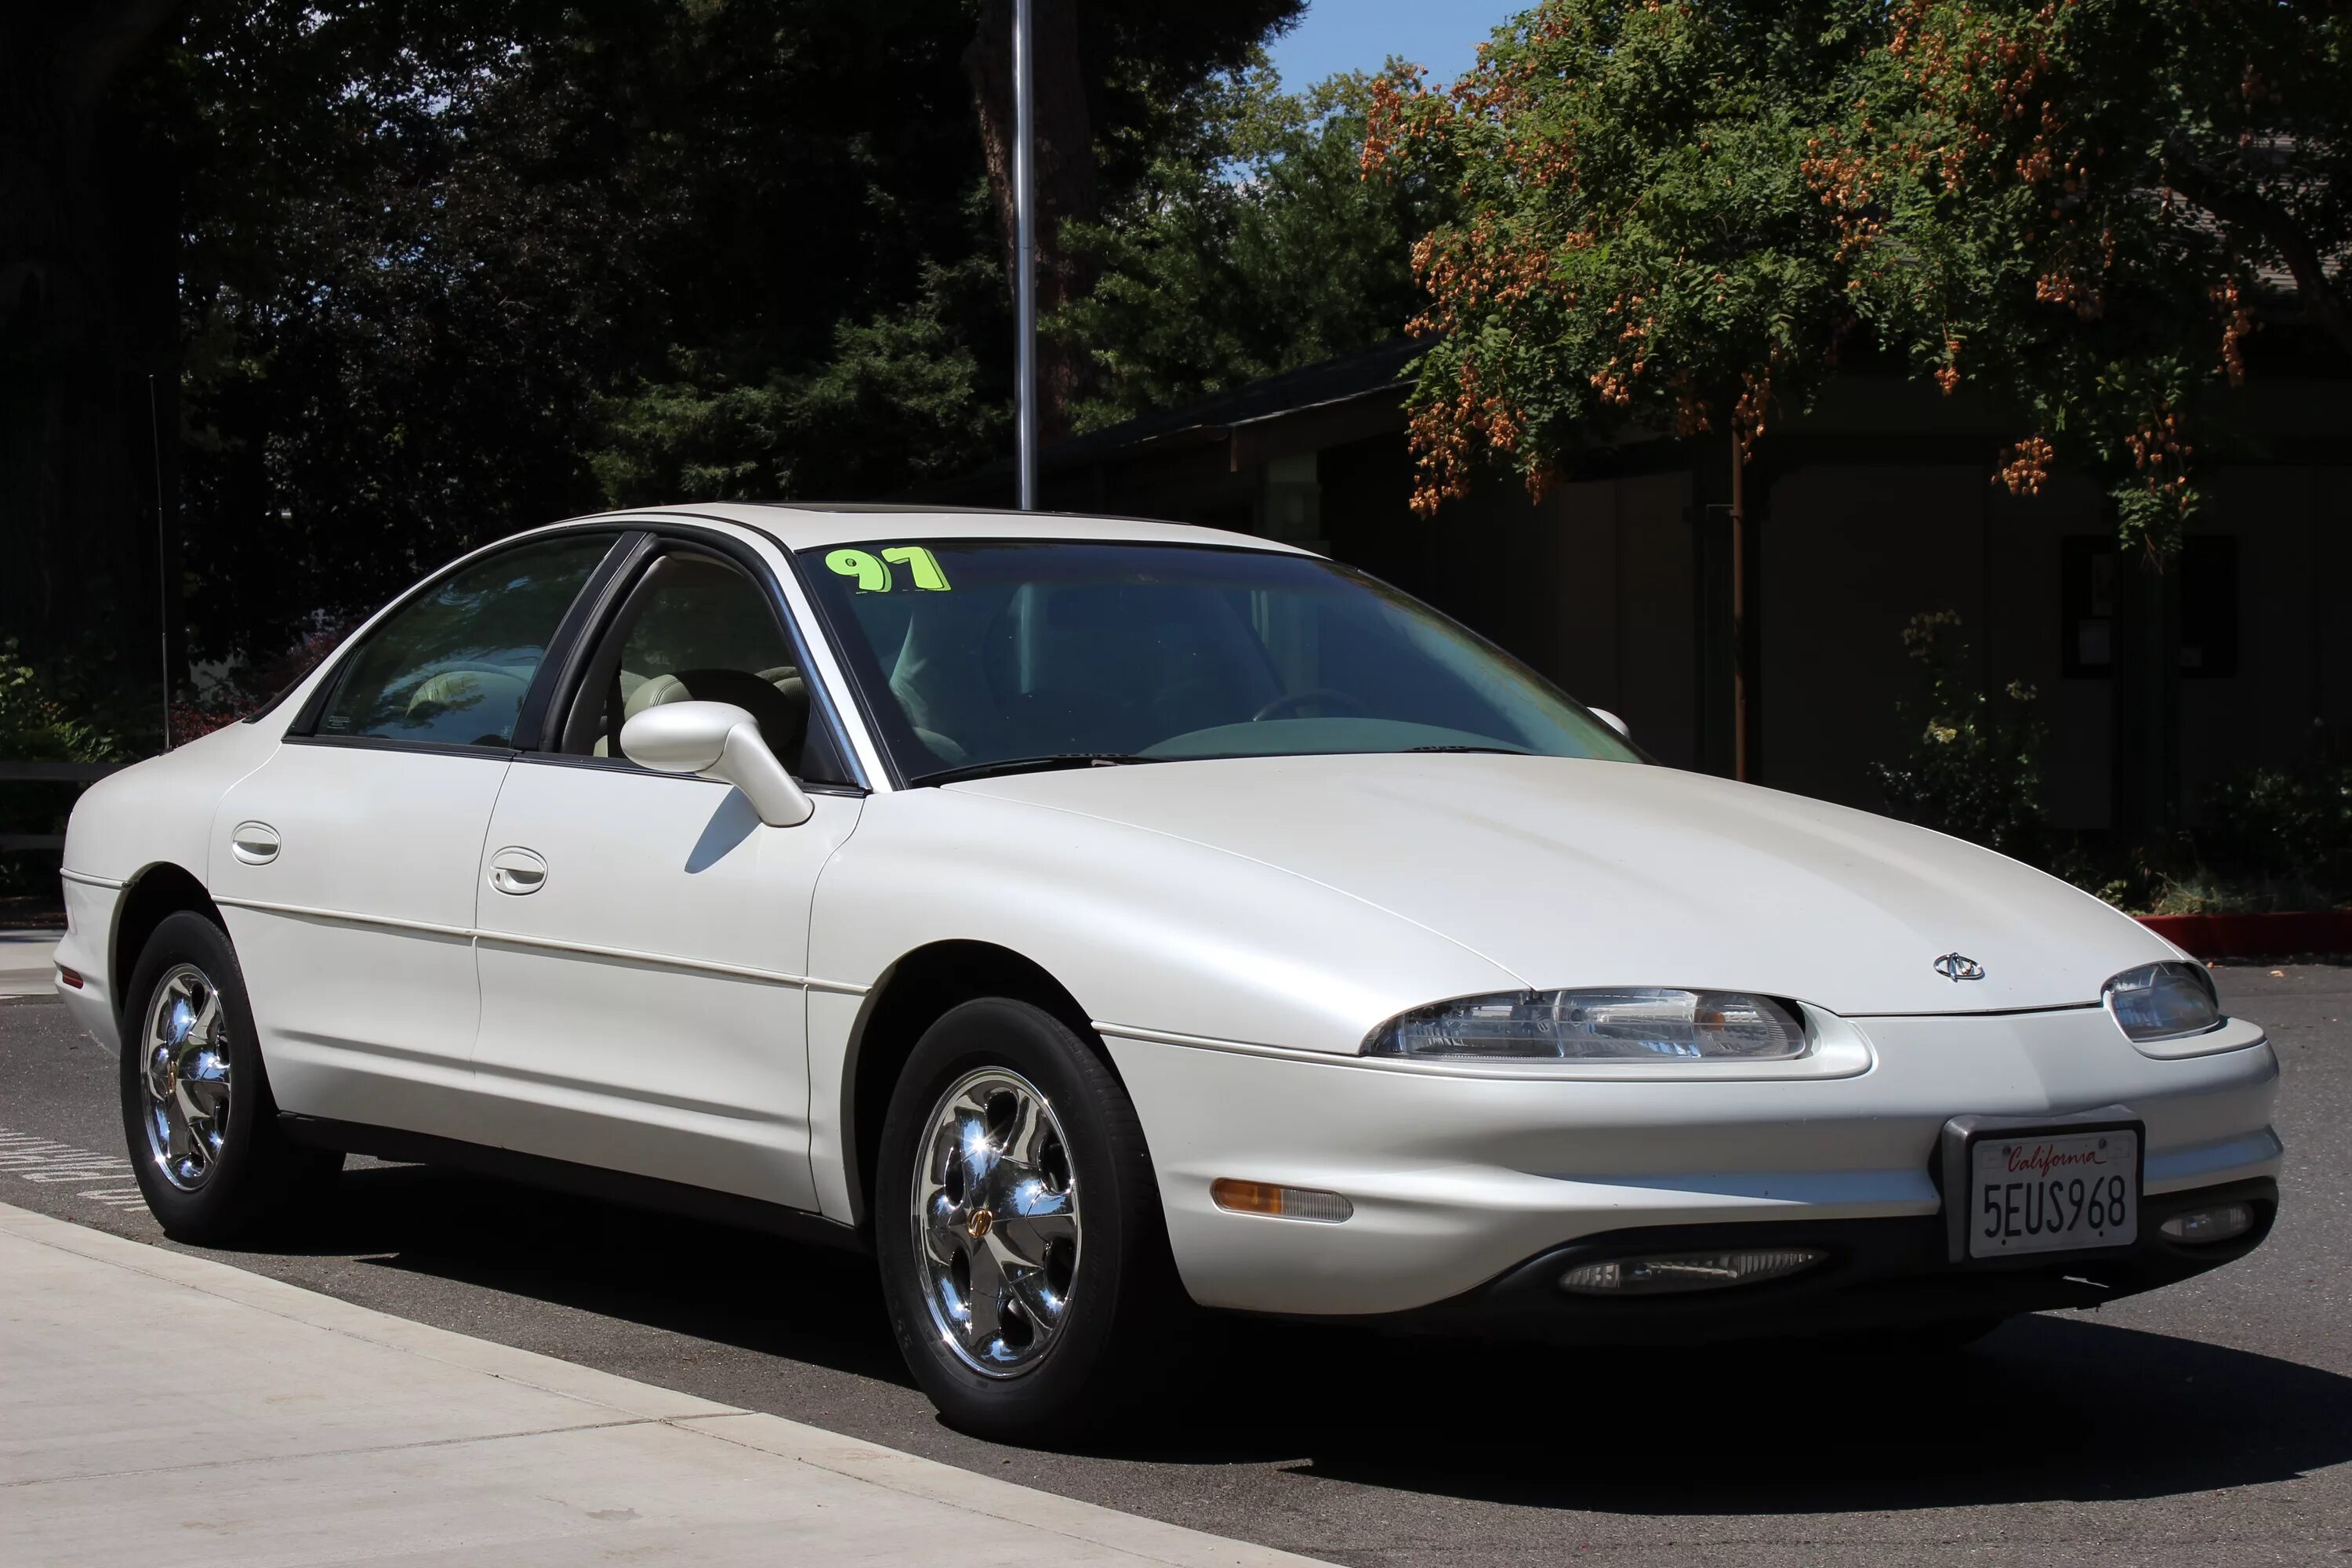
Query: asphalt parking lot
{"x": 2211, "y": 1422}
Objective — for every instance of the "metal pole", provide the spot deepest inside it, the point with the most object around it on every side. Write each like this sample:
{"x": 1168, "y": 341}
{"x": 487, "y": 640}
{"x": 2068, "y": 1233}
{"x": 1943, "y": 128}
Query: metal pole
{"x": 163, "y": 556}
{"x": 1738, "y": 610}
{"x": 1025, "y": 261}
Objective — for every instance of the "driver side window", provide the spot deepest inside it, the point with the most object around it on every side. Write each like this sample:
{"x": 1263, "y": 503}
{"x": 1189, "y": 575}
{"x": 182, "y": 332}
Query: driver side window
{"x": 696, "y": 629}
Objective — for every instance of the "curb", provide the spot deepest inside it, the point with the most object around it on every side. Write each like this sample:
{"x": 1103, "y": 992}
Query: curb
{"x": 2256, "y": 936}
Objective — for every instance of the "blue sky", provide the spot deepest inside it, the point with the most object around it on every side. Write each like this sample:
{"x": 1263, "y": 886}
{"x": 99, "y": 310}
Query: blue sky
{"x": 1358, "y": 35}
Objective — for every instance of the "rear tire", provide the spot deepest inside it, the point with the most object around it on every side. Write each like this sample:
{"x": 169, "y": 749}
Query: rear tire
{"x": 1017, "y": 1220}
{"x": 196, "y": 1108}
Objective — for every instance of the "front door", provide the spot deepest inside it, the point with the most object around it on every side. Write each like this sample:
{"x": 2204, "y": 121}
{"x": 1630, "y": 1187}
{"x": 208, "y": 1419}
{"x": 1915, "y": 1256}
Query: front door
{"x": 344, "y": 865}
{"x": 642, "y": 936}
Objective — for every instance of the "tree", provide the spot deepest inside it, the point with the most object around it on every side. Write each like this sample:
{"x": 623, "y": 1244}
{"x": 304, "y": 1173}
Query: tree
{"x": 1113, "y": 79}
{"x": 2088, "y": 205}
{"x": 1680, "y": 214}
{"x": 1638, "y": 243}
{"x": 86, "y": 249}
{"x": 1248, "y": 247}
{"x": 456, "y": 268}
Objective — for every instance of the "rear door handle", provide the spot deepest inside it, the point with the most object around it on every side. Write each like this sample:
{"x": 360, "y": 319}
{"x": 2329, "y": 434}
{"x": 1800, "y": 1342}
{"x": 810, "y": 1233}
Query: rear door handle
{"x": 254, "y": 843}
{"x": 518, "y": 871}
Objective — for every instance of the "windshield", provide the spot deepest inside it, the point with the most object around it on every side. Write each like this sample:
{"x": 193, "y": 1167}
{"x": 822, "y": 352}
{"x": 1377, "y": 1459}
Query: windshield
{"x": 975, "y": 653}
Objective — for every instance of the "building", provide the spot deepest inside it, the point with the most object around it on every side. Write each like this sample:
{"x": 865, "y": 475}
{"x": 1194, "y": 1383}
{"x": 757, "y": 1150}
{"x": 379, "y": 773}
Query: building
{"x": 1875, "y": 507}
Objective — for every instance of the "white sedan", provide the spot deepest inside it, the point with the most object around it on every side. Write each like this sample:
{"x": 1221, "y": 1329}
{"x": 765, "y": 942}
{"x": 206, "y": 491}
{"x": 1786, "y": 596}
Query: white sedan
{"x": 1099, "y": 918}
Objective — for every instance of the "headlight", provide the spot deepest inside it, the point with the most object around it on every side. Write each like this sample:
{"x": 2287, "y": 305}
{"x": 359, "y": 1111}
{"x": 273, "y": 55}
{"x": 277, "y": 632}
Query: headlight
{"x": 2164, "y": 1000}
{"x": 1635, "y": 1023}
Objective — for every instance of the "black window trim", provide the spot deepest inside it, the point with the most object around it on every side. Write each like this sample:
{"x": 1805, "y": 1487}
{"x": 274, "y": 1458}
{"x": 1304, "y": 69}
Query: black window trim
{"x": 392, "y": 743}
{"x": 568, "y": 650}
{"x": 613, "y": 595}
{"x": 305, "y": 724}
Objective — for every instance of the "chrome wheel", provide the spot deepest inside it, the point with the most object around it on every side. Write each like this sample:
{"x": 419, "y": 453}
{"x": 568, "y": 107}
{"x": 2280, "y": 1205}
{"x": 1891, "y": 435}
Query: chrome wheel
{"x": 186, "y": 1069}
{"x": 995, "y": 1222}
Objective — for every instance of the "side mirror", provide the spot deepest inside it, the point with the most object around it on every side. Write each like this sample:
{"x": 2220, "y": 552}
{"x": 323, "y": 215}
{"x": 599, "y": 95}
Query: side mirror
{"x": 717, "y": 741}
{"x": 1612, "y": 720}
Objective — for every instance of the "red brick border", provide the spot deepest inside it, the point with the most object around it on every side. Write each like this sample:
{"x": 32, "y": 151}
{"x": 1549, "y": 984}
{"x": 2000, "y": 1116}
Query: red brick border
{"x": 2256, "y": 936}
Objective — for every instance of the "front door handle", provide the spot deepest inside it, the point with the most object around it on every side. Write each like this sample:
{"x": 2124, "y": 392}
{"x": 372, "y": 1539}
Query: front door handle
{"x": 254, "y": 843}
{"x": 518, "y": 871}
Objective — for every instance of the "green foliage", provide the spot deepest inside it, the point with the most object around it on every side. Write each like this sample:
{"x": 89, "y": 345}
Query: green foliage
{"x": 1682, "y": 214}
{"x": 2090, "y": 206}
{"x": 899, "y": 400}
{"x": 1971, "y": 771}
{"x": 48, "y": 715}
{"x": 1639, "y": 244}
{"x": 2284, "y": 830}
{"x": 1248, "y": 246}
{"x": 454, "y": 269}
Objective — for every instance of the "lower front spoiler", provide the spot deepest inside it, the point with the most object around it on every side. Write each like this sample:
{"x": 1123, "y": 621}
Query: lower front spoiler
{"x": 1879, "y": 1273}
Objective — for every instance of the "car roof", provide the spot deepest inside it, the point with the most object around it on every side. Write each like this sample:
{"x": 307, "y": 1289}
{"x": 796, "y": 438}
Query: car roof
{"x": 814, "y": 525}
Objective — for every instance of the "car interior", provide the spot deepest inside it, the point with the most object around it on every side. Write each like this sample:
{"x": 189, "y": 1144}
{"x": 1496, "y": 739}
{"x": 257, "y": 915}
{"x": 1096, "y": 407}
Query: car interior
{"x": 695, "y": 629}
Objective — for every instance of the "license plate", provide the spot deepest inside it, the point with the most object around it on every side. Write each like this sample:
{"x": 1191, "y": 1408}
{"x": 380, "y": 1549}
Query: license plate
{"x": 2053, "y": 1192}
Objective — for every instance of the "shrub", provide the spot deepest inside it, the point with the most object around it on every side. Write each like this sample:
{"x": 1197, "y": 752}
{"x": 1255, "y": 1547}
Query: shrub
{"x": 42, "y": 717}
{"x": 1970, "y": 770}
{"x": 2288, "y": 830}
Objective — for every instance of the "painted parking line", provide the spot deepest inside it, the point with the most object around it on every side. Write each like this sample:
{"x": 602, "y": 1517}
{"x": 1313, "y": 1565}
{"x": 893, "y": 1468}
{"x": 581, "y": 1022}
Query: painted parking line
{"x": 103, "y": 1179}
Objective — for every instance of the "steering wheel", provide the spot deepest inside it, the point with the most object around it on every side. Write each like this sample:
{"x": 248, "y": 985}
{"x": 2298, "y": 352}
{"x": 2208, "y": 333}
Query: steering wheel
{"x": 1290, "y": 700}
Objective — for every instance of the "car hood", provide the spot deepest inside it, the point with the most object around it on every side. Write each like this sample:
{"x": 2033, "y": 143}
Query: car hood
{"x": 1570, "y": 872}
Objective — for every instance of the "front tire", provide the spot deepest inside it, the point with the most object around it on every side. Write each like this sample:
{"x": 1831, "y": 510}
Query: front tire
{"x": 196, "y": 1108}
{"x": 1018, "y": 1225}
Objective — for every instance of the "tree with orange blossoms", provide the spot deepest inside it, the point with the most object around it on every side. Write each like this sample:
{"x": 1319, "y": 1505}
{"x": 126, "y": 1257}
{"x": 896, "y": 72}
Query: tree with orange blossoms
{"x": 1639, "y": 243}
{"x": 1680, "y": 213}
{"x": 2088, "y": 206}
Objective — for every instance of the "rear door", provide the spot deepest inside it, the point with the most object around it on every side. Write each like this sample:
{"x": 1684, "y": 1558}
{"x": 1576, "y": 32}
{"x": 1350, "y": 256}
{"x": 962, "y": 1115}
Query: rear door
{"x": 344, "y": 865}
{"x": 643, "y": 937}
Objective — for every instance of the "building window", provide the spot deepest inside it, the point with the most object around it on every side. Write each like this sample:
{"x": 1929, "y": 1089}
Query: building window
{"x": 2209, "y": 606}
{"x": 2086, "y": 579}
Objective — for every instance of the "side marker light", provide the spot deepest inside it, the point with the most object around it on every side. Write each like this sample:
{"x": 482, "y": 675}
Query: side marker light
{"x": 1278, "y": 1202}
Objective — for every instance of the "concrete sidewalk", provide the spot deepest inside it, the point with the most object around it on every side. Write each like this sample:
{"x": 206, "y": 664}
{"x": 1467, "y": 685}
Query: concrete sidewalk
{"x": 159, "y": 1407}
{"x": 28, "y": 962}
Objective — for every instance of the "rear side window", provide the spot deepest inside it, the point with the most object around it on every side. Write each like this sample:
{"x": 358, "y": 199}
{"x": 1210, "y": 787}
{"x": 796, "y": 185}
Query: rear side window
{"x": 452, "y": 666}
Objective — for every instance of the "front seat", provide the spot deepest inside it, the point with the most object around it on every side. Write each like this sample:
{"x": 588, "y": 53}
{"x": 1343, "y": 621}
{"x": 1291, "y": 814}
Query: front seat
{"x": 777, "y": 698}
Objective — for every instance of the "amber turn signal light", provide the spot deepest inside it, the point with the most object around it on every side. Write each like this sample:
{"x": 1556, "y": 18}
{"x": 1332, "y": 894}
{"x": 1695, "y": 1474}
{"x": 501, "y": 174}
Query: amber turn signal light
{"x": 1281, "y": 1202}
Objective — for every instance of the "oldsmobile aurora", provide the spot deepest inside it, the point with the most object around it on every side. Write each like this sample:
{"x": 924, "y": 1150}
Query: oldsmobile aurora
{"x": 1094, "y": 919}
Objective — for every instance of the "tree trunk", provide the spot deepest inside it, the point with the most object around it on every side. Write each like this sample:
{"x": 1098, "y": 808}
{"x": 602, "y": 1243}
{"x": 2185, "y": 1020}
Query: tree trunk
{"x": 1066, "y": 174}
{"x": 88, "y": 312}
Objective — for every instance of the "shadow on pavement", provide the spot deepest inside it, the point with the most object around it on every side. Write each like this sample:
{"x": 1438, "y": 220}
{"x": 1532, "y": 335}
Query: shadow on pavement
{"x": 712, "y": 1282}
{"x": 2046, "y": 1409}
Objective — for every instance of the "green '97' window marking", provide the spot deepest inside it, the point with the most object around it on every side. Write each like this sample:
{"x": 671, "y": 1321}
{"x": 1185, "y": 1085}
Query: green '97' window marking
{"x": 874, "y": 575}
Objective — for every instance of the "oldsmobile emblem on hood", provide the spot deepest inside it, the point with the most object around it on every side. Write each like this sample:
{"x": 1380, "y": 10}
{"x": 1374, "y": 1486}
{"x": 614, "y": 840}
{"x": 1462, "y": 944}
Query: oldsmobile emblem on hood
{"x": 1958, "y": 966}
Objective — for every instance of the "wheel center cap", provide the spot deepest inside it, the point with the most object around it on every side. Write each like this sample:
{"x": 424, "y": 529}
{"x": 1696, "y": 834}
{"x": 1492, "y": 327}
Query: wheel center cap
{"x": 981, "y": 1220}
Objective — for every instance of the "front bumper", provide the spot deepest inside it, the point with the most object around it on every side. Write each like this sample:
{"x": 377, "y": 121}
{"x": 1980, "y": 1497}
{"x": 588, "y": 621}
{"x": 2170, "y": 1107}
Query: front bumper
{"x": 1461, "y": 1181}
{"x": 1879, "y": 1273}
{"x": 90, "y": 907}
